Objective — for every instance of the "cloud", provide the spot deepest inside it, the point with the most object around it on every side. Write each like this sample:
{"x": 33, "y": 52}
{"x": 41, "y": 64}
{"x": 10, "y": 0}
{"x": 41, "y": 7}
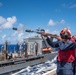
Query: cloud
{"x": 19, "y": 31}
{"x": 8, "y": 22}
{"x": 20, "y": 35}
{"x": 62, "y": 22}
{"x": 52, "y": 32}
{"x": 47, "y": 31}
{"x": 72, "y": 6}
{"x": 2, "y": 20}
{"x": 15, "y": 33}
{"x": 20, "y": 28}
{"x": 69, "y": 5}
{"x": 55, "y": 32}
{"x": 53, "y": 23}
{"x": 30, "y": 34}
{"x": 4, "y": 36}
{"x": 1, "y": 4}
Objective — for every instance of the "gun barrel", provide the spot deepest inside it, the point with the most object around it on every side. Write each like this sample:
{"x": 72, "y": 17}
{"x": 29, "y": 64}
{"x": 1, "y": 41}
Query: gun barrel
{"x": 14, "y": 28}
{"x": 27, "y": 30}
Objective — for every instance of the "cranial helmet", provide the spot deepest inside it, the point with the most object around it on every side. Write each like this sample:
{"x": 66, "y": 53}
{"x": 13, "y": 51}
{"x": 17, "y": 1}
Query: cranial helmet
{"x": 65, "y": 33}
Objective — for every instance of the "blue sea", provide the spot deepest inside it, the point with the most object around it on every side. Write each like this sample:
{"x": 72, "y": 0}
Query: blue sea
{"x": 12, "y": 47}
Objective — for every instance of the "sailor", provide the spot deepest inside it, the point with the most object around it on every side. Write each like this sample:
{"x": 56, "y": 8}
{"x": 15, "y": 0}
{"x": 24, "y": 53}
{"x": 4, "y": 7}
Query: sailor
{"x": 74, "y": 40}
{"x": 66, "y": 53}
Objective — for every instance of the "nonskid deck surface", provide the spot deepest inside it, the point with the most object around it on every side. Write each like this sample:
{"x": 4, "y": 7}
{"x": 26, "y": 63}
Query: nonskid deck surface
{"x": 47, "y": 68}
{"x": 15, "y": 65}
{"x": 20, "y": 63}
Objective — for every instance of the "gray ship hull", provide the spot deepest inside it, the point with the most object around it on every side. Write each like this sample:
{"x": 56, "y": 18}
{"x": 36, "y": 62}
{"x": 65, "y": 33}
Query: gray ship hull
{"x": 15, "y": 65}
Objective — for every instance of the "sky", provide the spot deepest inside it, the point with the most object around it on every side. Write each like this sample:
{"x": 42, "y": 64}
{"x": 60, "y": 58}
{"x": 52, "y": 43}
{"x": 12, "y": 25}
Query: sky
{"x": 51, "y": 15}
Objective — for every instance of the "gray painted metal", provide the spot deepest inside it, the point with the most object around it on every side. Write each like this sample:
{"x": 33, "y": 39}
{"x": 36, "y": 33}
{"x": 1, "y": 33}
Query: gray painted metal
{"x": 18, "y": 66}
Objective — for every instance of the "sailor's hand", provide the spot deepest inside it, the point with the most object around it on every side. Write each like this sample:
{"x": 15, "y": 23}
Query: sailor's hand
{"x": 43, "y": 34}
{"x": 58, "y": 38}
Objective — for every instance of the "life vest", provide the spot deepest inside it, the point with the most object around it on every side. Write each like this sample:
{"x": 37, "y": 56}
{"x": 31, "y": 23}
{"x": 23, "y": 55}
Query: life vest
{"x": 75, "y": 58}
{"x": 74, "y": 50}
{"x": 66, "y": 56}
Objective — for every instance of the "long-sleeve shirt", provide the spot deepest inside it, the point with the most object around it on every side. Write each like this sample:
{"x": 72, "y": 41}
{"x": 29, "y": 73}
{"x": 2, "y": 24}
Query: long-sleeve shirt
{"x": 61, "y": 45}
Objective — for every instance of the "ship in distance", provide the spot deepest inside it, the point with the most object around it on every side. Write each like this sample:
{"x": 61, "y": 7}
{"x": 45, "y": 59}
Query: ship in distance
{"x": 35, "y": 52}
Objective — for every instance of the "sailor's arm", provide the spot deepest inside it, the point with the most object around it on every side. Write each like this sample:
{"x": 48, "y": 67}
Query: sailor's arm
{"x": 70, "y": 46}
{"x": 51, "y": 43}
{"x": 50, "y": 40}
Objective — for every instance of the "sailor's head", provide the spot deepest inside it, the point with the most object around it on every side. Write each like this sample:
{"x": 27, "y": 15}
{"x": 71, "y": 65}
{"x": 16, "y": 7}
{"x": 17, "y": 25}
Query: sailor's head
{"x": 74, "y": 37}
{"x": 65, "y": 33}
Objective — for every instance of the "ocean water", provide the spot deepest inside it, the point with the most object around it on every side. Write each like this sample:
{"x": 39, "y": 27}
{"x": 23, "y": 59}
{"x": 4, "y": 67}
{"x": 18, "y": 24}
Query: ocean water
{"x": 12, "y": 47}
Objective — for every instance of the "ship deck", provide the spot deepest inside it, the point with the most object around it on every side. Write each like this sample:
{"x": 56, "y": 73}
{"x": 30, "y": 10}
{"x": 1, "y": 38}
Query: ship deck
{"x": 52, "y": 72}
{"x": 20, "y": 63}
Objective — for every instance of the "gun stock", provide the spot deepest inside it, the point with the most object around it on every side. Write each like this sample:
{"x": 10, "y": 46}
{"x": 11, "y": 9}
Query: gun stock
{"x": 47, "y": 34}
{"x": 51, "y": 35}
